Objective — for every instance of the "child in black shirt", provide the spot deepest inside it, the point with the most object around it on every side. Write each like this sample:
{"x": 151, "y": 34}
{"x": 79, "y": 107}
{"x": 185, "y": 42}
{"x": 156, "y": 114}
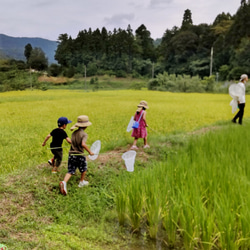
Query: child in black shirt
{"x": 58, "y": 135}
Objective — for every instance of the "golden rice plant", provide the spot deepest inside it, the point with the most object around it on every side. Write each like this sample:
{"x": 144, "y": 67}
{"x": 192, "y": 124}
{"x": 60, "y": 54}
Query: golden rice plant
{"x": 28, "y": 116}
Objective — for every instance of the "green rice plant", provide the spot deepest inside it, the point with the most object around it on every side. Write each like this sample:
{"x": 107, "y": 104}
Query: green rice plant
{"x": 227, "y": 224}
{"x": 187, "y": 226}
{"x": 189, "y": 220}
{"x": 153, "y": 203}
{"x": 204, "y": 192}
{"x": 135, "y": 204}
{"x": 171, "y": 214}
{"x": 121, "y": 205}
{"x": 207, "y": 224}
{"x": 243, "y": 241}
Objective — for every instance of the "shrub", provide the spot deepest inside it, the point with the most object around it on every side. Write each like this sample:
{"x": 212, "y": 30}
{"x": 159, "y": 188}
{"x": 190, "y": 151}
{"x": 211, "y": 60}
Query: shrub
{"x": 236, "y": 72}
{"x": 209, "y": 83}
{"x": 69, "y": 72}
{"x": 152, "y": 84}
{"x": 173, "y": 83}
{"x": 136, "y": 85}
{"x": 54, "y": 70}
{"x": 120, "y": 73}
{"x": 91, "y": 69}
{"x": 223, "y": 72}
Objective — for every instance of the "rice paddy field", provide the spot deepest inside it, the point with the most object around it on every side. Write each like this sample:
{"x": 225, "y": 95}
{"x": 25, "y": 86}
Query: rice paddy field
{"x": 198, "y": 196}
{"x": 28, "y": 116}
{"x": 194, "y": 196}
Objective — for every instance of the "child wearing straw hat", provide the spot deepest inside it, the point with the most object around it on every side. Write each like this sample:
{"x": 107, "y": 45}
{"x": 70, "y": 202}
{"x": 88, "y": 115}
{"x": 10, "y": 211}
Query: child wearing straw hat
{"x": 58, "y": 135}
{"x": 76, "y": 158}
{"x": 141, "y": 131}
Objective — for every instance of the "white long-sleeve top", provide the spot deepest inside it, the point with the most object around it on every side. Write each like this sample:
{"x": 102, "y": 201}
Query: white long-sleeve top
{"x": 242, "y": 98}
{"x": 237, "y": 92}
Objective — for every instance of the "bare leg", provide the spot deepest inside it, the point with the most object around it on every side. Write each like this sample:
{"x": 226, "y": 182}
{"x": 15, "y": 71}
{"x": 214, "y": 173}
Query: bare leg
{"x": 146, "y": 143}
{"x": 63, "y": 184}
{"x": 83, "y": 175}
{"x": 67, "y": 177}
{"x": 135, "y": 141}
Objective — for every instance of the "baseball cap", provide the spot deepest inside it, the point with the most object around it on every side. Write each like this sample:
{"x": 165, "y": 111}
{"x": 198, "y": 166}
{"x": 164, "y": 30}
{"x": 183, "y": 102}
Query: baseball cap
{"x": 63, "y": 120}
{"x": 243, "y": 77}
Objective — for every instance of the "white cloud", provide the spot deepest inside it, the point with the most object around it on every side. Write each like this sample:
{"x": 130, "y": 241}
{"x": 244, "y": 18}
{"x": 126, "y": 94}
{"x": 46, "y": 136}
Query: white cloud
{"x": 120, "y": 19}
{"x": 49, "y": 19}
{"x": 159, "y": 3}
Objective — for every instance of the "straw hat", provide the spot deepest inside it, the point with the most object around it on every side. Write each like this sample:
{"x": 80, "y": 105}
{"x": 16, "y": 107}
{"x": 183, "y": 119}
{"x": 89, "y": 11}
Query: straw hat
{"x": 143, "y": 104}
{"x": 82, "y": 122}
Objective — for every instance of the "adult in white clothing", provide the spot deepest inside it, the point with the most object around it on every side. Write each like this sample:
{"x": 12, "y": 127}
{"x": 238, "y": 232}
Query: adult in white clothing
{"x": 241, "y": 99}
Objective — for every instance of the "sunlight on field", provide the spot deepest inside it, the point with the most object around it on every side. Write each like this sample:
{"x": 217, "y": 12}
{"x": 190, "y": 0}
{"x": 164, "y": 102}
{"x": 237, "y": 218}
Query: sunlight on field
{"x": 28, "y": 116}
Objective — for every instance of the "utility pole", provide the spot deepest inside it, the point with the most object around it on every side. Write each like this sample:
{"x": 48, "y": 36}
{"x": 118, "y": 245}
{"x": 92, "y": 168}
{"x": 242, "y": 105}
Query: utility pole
{"x": 30, "y": 80}
{"x": 153, "y": 71}
{"x": 85, "y": 77}
{"x": 211, "y": 62}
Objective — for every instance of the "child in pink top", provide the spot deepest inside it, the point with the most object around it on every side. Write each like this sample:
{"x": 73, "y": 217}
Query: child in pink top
{"x": 141, "y": 131}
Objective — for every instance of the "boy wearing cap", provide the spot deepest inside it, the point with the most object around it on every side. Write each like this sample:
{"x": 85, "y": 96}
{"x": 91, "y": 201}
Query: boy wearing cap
{"x": 58, "y": 135}
{"x": 76, "y": 158}
{"x": 241, "y": 99}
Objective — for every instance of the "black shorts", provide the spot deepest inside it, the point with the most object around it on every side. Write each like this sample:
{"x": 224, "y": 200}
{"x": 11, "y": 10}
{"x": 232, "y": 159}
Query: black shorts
{"x": 77, "y": 161}
{"x": 58, "y": 155}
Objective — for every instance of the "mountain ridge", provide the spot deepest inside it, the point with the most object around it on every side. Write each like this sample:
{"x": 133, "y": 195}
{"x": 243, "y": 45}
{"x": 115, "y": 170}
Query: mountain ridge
{"x": 13, "y": 47}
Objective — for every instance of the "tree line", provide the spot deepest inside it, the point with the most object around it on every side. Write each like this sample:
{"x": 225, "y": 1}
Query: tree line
{"x": 186, "y": 50}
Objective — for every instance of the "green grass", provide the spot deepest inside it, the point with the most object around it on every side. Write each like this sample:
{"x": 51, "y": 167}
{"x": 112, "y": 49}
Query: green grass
{"x": 33, "y": 213}
{"x": 103, "y": 83}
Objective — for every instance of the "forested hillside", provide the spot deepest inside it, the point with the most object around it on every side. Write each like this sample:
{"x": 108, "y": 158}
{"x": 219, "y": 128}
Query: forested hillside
{"x": 188, "y": 49}
{"x": 13, "y": 47}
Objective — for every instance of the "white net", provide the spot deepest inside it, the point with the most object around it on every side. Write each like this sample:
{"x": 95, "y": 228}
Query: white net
{"x": 95, "y": 148}
{"x": 235, "y": 91}
{"x": 129, "y": 128}
{"x": 129, "y": 158}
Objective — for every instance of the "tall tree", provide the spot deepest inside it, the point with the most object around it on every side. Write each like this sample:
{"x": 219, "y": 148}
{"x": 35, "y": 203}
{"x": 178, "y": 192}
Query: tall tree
{"x": 165, "y": 49}
{"x": 243, "y": 3}
{"x": 131, "y": 48}
{"x": 145, "y": 42}
{"x": 27, "y": 51}
{"x": 38, "y": 60}
{"x": 63, "y": 52}
{"x": 220, "y": 27}
{"x": 187, "y": 21}
{"x": 240, "y": 26}
{"x": 242, "y": 58}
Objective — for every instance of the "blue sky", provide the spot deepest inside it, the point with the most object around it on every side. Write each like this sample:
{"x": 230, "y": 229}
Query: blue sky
{"x": 48, "y": 19}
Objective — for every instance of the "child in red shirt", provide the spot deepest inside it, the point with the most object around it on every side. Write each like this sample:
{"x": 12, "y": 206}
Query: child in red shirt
{"x": 141, "y": 131}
